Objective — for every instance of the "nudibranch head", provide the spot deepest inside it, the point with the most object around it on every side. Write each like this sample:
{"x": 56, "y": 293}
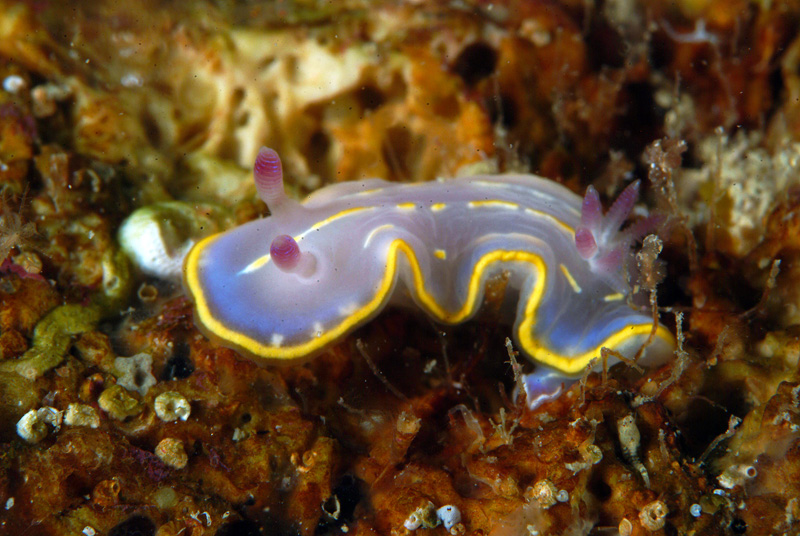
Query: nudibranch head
{"x": 283, "y": 288}
{"x": 598, "y": 238}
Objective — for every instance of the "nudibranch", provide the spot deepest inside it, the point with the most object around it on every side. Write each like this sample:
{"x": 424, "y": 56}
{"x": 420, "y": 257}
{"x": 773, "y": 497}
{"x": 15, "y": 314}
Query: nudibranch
{"x": 283, "y": 288}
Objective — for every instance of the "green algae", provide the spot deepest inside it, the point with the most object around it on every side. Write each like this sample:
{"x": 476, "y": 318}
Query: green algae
{"x": 53, "y": 334}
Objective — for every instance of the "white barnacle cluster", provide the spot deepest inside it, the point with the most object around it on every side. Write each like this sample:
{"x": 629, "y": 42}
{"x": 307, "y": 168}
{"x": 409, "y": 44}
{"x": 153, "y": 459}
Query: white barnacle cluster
{"x": 428, "y": 517}
{"x": 33, "y": 426}
{"x": 37, "y": 423}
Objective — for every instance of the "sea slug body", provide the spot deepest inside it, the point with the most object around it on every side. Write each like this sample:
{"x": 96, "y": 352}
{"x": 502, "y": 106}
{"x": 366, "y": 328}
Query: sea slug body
{"x": 285, "y": 287}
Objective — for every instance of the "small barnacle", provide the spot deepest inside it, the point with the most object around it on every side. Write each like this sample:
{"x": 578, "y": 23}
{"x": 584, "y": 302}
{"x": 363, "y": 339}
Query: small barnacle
{"x": 654, "y": 515}
{"x": 545, "y": 493}
{"x": 32, "y": 427}
{"x": 412, "y": 522}
{"x": 171, "y": 406}
{"x": 506, "y": 486}
{"x": 135, "y": 373}
{"x": 630, "y": 440}
{"x": 562, "y": 495}
{"x": 305, "y": 462}
{"x": 736, "y": 475}
{"x": 81, "y": 415}
{"x": 696, "y": 510}
{"x": 625, "y": 527}
{"x": 449, "y": 515}
{"x": 14, "y": 83}
{"x": 147, "y": 293}
{"x": 118, "y": 403}
{"x": 425, "y": 516}
{"x": 170, "y": 451}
